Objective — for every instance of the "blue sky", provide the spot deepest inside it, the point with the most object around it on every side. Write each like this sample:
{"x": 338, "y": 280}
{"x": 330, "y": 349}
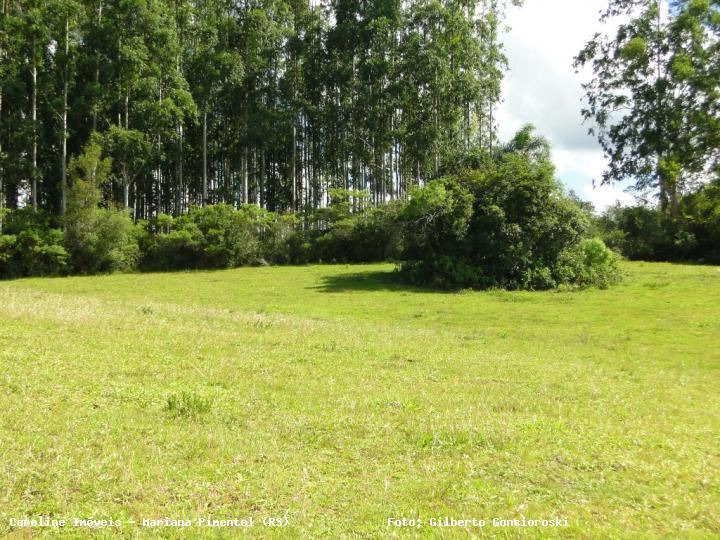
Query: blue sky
{"x": 543, "y": 89}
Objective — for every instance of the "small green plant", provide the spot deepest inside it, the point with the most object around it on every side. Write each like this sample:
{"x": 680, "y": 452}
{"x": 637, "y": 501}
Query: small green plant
{"x": 187, "y": 405}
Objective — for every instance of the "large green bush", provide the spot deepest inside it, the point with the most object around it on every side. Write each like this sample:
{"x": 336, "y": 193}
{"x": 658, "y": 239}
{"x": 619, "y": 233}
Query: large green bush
{"x": 31, "y": 244}
{"x": 590, "y": 263}
{"x": 505, "y": 225}
{"x": 217, "y": 236}
{"x": 101, "y": 240}
{"x": 639, "y": 233}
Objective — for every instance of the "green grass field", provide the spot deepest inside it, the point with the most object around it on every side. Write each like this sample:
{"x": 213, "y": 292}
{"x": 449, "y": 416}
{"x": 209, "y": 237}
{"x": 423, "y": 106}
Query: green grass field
{"x": 337, "y": 397}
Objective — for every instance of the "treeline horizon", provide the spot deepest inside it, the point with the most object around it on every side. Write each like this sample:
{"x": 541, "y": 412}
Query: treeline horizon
{"x": 267, "y": 102}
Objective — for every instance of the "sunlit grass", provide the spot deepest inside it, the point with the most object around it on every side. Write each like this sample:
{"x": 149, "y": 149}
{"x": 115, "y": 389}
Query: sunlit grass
{"x": 338, "y": 397}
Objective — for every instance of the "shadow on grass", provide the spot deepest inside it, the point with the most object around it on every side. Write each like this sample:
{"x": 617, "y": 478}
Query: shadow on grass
{"x": 370, "y": 281}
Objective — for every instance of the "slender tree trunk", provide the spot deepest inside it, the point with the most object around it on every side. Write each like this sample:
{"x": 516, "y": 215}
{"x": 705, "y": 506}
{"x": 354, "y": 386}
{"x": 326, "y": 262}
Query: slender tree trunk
{"x": 205, "y": 175}
{"x": 491, "y": 129}
{"x": 661, "y": 177}
{"x": 126, "y": 186}
{"x": 179, "y": 189}
{"x": 294, "y": 169}
{"x": 33, "y": 77}
{"x": 246, "y": 176}
{"x": 63, "y": 162}
{"x": 241, "y": 180}
{"x": 668, "y": 187}
{"x": 181, "y": 180}
{"x": 467, "y": 125}
{"x": 255, "y": 173}
{"x": 375, "y": 174}
{"x": 159, "y": 187}
{"x": 261, "y": 183}
{"x": 97, "y": 70}
{"x": 392, "y": 155}
{"x": 437, "y": 131}
{"x": 125, "y": 170}
{"x": 63, "y": 158}
{"x": 2, "y": 168}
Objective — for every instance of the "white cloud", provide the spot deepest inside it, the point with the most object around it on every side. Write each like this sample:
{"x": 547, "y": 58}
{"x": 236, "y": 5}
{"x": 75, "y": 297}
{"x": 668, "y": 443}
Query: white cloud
{"x": 605, "y": 195}
{"x": 543, "y": 89}
{"x": 581, "y": 169}
{"x": 579, "y": 162}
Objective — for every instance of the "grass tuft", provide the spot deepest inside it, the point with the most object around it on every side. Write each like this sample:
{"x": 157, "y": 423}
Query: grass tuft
{"x": 187, "y": 405}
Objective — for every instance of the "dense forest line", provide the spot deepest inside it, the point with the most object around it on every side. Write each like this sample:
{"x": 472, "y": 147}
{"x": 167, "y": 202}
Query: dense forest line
{"x": 502, "y": 220}
{"x": 270, "y": 102}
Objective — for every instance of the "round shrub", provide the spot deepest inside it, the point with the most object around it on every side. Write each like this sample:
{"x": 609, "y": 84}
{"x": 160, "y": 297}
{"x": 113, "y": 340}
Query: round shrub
{"x": 589, "y": 264}
{"x": 507, "y": 225}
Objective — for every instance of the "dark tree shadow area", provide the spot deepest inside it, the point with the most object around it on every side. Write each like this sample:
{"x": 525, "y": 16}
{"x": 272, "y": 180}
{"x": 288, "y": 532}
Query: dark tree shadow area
{"x": 370, "y": 281}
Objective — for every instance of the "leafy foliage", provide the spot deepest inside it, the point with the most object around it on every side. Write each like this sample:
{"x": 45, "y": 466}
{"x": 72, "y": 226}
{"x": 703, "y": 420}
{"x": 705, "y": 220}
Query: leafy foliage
{"x": 654, "y": 93}
{"x": 31, "y": 243}
{"x": 589, "y": 264}
{"x": 506, "y": 225}
{"x": 362, "y": 234}
{"x": 646, "y": 233}
{"x": 213, "y": 237}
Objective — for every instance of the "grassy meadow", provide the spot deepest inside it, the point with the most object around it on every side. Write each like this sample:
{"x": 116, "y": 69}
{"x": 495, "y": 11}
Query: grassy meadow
{"x": 337, "y": 397}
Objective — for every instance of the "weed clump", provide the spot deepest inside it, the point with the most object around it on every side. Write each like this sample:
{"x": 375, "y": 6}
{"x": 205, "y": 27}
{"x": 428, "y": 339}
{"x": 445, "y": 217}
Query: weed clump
{"x": 187, "y": 405}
